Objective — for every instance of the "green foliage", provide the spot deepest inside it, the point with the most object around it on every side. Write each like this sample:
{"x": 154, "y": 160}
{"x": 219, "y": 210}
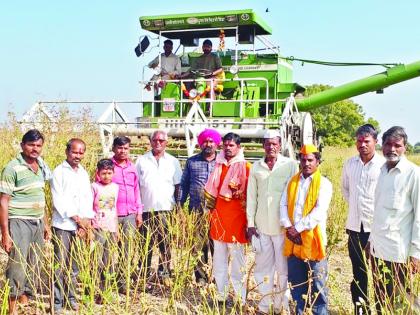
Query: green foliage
{"x": 410, "y": 148}
{"x": 337, "y": 123}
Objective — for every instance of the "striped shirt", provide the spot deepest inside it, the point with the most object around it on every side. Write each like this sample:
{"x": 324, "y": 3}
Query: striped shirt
{"x": 26, "y": 188}
{"x": 358, "y": 183}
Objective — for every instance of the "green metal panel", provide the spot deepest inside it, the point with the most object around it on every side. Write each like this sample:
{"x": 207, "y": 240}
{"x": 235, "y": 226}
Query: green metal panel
{"x": 228, "y": 109}
{"x": 219, "y": 19}
{"x": 285, "y": 71}
{"x": 147, "y": 109}
{"x": 250, "y": 104}
{"x": 170, "y": 94}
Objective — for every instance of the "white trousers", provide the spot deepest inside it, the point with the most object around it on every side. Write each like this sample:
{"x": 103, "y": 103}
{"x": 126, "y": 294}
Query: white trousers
{"x": 236, "y": 253}
{"x": 269, "y": 262}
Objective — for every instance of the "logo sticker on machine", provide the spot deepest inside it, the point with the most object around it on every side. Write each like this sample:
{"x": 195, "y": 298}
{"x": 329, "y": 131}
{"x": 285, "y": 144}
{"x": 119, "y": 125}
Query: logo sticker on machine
{"x": 168, "y": 104}
{"x": 192, "y": 20}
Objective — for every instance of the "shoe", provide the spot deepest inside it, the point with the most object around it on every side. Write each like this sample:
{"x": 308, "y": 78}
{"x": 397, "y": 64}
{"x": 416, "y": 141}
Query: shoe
{"x": 201, "y": 282}
{"x": 165, "y": 278}
{"x": 164, "y": 274}
{"x": 122, "y": 290}
{"x": 73, "y": 305}
{"x": 58, "y": 309}
{"x": 148, "y": 288}
{"x": 220, "y": 299}
{"x": 281, "y": 311}
{"x": 99, "y": 299}
{"x": 23, "y": 299}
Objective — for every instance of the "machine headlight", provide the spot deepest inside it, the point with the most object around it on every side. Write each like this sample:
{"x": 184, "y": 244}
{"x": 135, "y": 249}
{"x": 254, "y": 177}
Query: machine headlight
{"x": 193, "y": 93}
{"x": 158, "y": 23}
{"x": 233, "y": 69}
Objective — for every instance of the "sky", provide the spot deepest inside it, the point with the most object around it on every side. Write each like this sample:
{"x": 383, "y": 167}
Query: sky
{"x": 83, "y": 50}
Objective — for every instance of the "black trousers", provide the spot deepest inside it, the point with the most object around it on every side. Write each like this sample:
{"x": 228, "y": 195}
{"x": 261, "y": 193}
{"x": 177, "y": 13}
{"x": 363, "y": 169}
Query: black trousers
{"x": 359, "y": 286}
{"x": 389, "y": 280}
{"x": 65, "y": 275}
{"x": 154, "y": 231}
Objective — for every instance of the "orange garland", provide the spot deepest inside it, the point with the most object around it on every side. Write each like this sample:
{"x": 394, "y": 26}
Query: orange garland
{"x": 198, "y": 97}
{"x": 222, "y": 40}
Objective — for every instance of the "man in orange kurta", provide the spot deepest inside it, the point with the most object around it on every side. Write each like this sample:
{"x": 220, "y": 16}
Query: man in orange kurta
{"x": 225, "y": 193}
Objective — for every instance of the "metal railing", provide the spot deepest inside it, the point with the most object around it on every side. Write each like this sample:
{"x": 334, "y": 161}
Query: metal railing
{"x": 211, "y": 101}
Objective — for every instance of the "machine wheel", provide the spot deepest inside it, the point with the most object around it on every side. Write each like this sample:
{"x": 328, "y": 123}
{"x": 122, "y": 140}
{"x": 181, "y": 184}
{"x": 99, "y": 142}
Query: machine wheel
{"x": 288, "y": 149}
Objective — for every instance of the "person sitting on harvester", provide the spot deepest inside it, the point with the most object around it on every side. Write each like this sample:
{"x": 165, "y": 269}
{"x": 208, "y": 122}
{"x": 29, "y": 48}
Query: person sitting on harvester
{"x": 208, "y": 64}
{"x": 170, "y": 65}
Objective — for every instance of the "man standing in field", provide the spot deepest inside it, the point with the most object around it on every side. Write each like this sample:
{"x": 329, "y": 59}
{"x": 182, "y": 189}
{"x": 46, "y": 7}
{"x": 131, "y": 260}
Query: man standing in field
{"x": 225, "y": 193}
{"x": 195, "y": 175}
{"x": 159, "y": 176}
{"x": 129, "y": 206}
{"x": 266, "y": 182}
{"x": 358, "y": 183}
{"x": 395, "y": 235}
{"x": 72, "y": 213}
{"x": 303, "y": 212}
{"x": 22, "y": 210}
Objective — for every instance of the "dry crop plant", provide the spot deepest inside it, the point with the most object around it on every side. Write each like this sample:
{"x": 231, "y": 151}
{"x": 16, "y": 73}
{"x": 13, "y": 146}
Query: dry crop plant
{"x": 186, "y": 233}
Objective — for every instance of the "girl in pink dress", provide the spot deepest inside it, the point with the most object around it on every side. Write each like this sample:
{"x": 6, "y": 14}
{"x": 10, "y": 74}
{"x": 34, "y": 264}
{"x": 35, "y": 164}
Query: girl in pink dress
{"x": 105, "y": 222}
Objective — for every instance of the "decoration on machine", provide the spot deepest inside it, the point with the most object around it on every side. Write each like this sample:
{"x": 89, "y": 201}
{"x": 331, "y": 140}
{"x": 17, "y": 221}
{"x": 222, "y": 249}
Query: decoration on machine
{"x": 168, "y": 104}
{"x": 196, "y": 94}
{"x": 222, "y": 40}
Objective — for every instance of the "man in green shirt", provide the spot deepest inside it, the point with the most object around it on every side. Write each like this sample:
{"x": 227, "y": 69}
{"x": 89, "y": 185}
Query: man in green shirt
{"x": 22, "y": 205}
{"x": 208, "y": 62}
{"x": 207, "y": 66}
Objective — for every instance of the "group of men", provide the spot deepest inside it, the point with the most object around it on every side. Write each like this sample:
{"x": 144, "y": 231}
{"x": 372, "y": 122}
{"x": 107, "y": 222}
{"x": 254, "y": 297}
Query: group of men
{"x": 277, "y": 207}
{"x": 383, "y": 221}
{"x": 170, "y": 66}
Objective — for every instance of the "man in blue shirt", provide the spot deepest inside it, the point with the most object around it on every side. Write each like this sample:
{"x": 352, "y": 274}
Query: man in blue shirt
{"x": 196, "y": 172}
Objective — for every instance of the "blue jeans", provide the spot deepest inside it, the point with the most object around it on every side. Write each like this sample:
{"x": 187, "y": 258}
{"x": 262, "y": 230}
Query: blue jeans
{"x": 299, "y": 270}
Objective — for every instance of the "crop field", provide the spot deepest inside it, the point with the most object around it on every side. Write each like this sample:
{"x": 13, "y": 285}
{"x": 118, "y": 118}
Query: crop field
{"x": 180, "y": 294}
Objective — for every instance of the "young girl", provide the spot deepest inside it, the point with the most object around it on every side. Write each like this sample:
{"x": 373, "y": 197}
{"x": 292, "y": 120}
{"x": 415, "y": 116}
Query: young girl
{"x": 105, "y": 222}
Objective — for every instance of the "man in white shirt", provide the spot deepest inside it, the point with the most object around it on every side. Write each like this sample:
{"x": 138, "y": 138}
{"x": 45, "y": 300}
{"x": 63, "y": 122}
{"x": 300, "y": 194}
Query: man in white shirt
{"x": 358, "y": 183}
{"x": 303, "y": 212}
{"x": 159, "y": 178}
{"x": 395, "y": 236}
{"x": 72, "y": 211}
{"x": 170, "y": 65}
{"x": 267, "y": 179}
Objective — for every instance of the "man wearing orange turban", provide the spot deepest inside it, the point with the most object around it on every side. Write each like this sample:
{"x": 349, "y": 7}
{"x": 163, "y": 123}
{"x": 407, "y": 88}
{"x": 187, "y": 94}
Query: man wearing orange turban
{"x": 303, "y": 212}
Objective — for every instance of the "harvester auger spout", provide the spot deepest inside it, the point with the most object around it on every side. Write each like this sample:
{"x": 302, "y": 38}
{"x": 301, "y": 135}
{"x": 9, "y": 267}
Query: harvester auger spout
{"x": 372, "y": 83}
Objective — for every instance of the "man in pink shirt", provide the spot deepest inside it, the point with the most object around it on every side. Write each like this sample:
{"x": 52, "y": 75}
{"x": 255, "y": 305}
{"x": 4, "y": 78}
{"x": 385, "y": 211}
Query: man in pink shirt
{"x": 129, "y": 206}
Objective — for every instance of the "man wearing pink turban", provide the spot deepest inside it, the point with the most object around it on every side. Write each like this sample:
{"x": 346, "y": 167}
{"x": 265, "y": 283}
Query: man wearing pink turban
{"x": 196, "y": 172}
{"x": 212, "y": 134}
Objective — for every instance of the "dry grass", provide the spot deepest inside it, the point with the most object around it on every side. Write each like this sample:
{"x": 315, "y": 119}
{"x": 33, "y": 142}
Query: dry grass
{"x": 181, "y": 295}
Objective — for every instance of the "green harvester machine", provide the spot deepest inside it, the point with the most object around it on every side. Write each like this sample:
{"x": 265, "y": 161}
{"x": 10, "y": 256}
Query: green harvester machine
{"x": 257, "y": 92}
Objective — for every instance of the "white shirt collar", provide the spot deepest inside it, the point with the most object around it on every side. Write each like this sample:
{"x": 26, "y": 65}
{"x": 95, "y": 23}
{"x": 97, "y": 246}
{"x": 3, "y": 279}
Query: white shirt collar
{"x": 402, "y": 165}
{"x": 67, "y": 165}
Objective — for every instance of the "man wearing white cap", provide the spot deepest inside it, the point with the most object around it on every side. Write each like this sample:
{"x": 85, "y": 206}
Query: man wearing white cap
{"x": 303, "y": 212}
{"x": 266, "y": 182}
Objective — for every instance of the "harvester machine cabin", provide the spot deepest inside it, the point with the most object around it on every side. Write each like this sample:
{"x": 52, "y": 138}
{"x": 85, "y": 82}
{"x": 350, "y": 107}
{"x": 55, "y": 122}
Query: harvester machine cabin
{"x": 255, "y": 92}
{"x": 249, "y": 96}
